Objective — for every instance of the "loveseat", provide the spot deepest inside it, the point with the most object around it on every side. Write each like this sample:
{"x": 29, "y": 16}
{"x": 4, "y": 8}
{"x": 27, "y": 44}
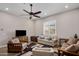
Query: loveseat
{"x": 17, "y": 45}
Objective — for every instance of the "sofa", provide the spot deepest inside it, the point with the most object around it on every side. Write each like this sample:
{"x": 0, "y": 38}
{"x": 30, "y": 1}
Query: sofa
{"x": 70, "y": 47}
{"x": 42, "y": 51}
{"x": 45, "y": 41}
{"x": 53, "y": 41}
{"x": 17, "y": 45}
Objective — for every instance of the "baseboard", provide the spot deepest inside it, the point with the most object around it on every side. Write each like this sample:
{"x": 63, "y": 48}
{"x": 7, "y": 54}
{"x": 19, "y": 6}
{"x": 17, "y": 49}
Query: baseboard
{"x": 2, "y": 46}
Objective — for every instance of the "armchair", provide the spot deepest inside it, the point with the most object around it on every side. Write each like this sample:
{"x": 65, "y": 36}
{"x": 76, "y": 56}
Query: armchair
{"x": 17, "y": 45}
{"x": 14, "y": 47}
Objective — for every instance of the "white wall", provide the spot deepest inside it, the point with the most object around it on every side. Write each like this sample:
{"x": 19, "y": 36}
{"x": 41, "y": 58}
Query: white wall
{"x": 10, "y": 23}
{"x": 67, "y": 24}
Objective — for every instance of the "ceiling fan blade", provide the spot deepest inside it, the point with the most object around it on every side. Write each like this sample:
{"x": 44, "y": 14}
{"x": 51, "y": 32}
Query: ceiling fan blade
{"x": 37, "y": 12}
{"x": 26, "y": 11}
{"x": 36, "y": 16}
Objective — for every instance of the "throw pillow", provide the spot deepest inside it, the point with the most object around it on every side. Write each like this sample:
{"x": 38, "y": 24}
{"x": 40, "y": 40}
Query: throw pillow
{"x": 16, "y": 40}
{"x": 65, "y": 45}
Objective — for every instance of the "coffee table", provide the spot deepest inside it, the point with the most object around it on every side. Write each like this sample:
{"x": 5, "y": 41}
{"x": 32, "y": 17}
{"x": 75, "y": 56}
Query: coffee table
{"x": 29, "y": 47}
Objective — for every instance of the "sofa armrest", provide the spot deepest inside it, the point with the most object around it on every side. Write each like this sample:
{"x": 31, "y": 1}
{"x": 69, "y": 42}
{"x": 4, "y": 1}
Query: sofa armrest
{"x": 64, "y": 52}
{"x": 14, "y": 47}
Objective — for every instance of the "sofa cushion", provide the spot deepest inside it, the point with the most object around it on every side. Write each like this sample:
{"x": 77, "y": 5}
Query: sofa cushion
{"x": 65, "y": 45}
{"x": 72, "y": 41}
{"x": 72, "y": 48}
{"x": 23, "y": 39}
{"x": 16, "y": 40}
{"x": 78, "y": 43}
{"x": 42, "y": 51}
{"x": 76, "y": 47}
{"x": 54, "y": 37}
{"x": 55, "y": 42}
{"x": 42, "y": 37}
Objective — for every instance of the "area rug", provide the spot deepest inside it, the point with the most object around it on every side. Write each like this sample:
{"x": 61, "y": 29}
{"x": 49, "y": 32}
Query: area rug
{"x": 29, "y": 53}
{"x": 33, "y": 45}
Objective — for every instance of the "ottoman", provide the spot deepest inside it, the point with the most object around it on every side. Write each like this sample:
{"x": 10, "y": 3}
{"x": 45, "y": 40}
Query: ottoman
{"x": 42, "y": 51}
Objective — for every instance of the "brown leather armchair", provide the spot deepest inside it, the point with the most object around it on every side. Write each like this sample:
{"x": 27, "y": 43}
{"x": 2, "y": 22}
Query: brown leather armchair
{"x": 17, "y": 47}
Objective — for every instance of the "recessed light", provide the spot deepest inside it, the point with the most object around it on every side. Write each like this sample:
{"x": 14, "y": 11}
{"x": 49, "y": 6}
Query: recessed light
{"x": 45, "y": 13}
{"x": 6, "y": 8}
{"x": 66, "y": 6}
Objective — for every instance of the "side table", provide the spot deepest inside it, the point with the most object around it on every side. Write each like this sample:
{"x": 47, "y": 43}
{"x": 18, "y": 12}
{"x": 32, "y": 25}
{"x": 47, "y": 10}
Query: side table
{"x": 34, "y": 38}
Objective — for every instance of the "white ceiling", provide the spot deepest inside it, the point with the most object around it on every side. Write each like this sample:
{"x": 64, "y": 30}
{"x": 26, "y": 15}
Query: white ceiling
{"x": 46, "y": 8}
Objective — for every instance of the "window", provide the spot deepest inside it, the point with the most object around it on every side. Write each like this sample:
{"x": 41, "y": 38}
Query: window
{"x": 49, "y": 28}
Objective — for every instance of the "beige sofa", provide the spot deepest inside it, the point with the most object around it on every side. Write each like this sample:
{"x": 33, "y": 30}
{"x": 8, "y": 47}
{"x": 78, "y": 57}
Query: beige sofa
{"x": 52, "y": 42}
{"x": 45, "y": 41}
{"x": 42, "y": 51}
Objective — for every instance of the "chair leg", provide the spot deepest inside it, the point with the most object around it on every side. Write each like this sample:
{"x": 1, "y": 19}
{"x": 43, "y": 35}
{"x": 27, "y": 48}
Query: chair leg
{"x": 59, "y": 53}
{"x": 62, "y": 54}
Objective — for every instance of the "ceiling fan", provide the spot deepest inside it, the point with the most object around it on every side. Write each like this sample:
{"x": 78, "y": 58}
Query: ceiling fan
{"x": 31, "y": 13}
